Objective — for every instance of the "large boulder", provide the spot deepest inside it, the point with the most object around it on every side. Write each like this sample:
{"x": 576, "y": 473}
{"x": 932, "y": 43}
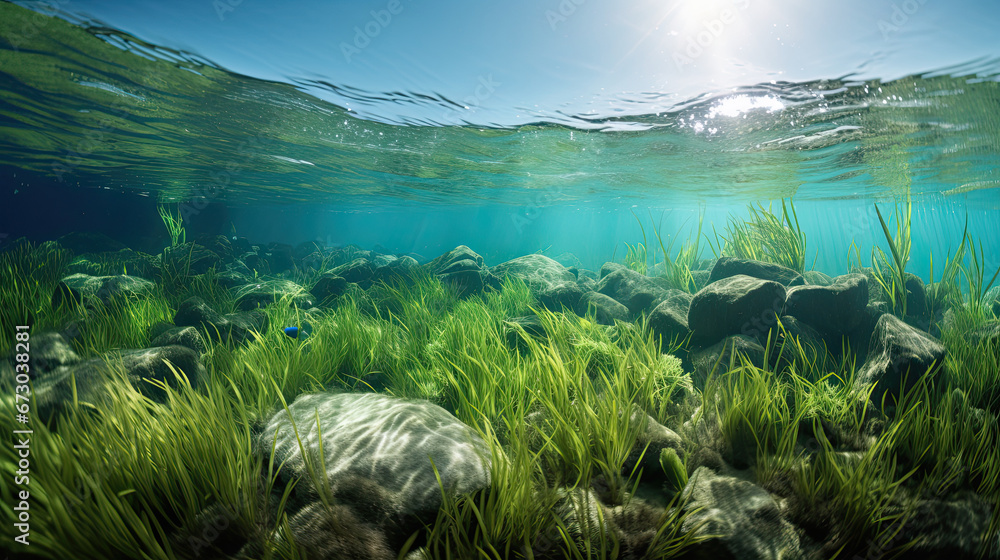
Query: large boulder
{"x": 189, "y": 259}
{"x": 394, "y": 270}
{"x": 743, "y": 520}
{"x": 264, "y": 293}
{"x": 837, "y": 308}
{"x": 552, "y": 283}
{"x": 235, "y": 327}
{"x": 731, "y": 266}
{"x": 188, "y": 337}
{"x": 109, "y": 290}
{"x": 716, "y": 358}
{"x": 358, "y": 271}
{"x": 463, "y": 269}
{"x": 379, "y": 453}
{"x": 635, "y": 291}
{"x": 537, "y": 271}
{"x": 899, "y": 355}
{"x": 606, "y": 309}
{"x": 736, "y": 305}
{"x": 328, "y": 287}
{"x": 88, "y": 380}
{"x": 669, "y": 319}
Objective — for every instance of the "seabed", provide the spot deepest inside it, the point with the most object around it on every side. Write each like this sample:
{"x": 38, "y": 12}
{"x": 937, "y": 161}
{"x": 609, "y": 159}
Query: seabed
{"x": 712, "y": 399}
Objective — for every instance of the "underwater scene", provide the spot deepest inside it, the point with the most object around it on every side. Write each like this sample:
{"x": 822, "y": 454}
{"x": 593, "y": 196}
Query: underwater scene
{"x": 483, "y": 280}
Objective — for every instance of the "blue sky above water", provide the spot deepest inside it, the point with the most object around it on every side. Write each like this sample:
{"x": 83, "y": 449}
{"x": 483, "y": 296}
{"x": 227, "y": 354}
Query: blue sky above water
{"x": 522, "y": 61}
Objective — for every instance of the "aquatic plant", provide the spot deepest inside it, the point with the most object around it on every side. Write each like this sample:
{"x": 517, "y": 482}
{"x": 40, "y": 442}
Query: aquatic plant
{"x": 766, "y": 237}
{"x": 174, "y": 224}
{"x": 678, "y": 267}
{"x": 29, "y": 275}
{"x": 636, "y": 256}
{"x": 891, "y": 274}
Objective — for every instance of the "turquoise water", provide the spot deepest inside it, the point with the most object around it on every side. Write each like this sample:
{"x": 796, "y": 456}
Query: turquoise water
{"x": 96, "y": 108}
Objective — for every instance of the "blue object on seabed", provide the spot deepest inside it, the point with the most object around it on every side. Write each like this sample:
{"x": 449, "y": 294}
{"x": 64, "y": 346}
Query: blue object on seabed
{"x": 293, "y": 332}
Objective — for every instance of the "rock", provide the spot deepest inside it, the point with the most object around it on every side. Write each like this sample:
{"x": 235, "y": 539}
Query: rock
{"x": 569, "y": 260}
{"x": 794, "y": 334}
{"x": 134, "y": 263}
{"x": 377, "y": 451}
{"x": 606, "y": 309}
{"x": 118, "y": 288}
{"x": 80, "y": 288}
{"x": 188, "y": 259}
{"x": 747, "y": 520}
{"x": 358, "y": 271}
{"x": 235, "y": 327}
{"x": 899, "y": 355}
{"x": 916, "y": 297}
{"x": 537, "y": 271}
{"x": 716, "y": 358}
{"x": 669, "y": 319}
{"x": 635, "y": 291}
{"x": 609, "y": 267}
{"x": 231, "y": 279}
{"x": 218, "y": 244}
{"x": 991, "y": 300}
{"x": 726, "y": 267}
{"x": 948, "y": 528}
{"x": 837, "y": 308}
{"x": 650, "y": 443}
{"x": 861, "y": 337}
{"x": 530, "y": 325}
{"x": 398, "y": 269}
{"x": 700, "y": 278}
{"x": 735, "y": 305}
{"x": 817, "y": 278}
{"x": 306, "y": 249}
{"x": 49, "y": 351}
{"x": 279, "y": 257}
{"x": 188, "y": 337}
{"x": 53, "y": 390}
{"x": 988, "y": 333}
{"x": 262, "y": 294}
{"x": 559, "y": 296}
{"x": 463, "y": 269}
{"x": 329, "y": 287}
{"x": 336, "y": 534}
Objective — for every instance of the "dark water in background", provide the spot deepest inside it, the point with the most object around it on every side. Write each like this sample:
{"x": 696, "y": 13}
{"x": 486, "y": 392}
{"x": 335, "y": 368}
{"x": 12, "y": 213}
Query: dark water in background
{"x": 96, "y": 127}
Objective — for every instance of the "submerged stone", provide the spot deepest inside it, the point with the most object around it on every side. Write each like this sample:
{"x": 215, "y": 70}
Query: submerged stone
{"x": 745, "y": 522}
{"x": 463, "y": 269}
{"x": 731, "y": 266}
{"x": 235, "y": 327}
{"x": 605, "y": 308}
{"x": 836, "y": 308}
{"x": 390, "y": 445}
{"x": 736, "y": 305}
{"x": 899, "y": 355}
{"x": 635, "y": 291}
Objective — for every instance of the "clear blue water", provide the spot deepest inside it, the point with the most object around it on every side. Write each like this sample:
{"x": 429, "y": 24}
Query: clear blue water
{"x": 502, "y": 126}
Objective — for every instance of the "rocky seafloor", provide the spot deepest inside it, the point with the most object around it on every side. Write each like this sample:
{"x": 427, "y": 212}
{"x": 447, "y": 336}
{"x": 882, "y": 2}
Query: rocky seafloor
{"x": 378, "y": 449}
